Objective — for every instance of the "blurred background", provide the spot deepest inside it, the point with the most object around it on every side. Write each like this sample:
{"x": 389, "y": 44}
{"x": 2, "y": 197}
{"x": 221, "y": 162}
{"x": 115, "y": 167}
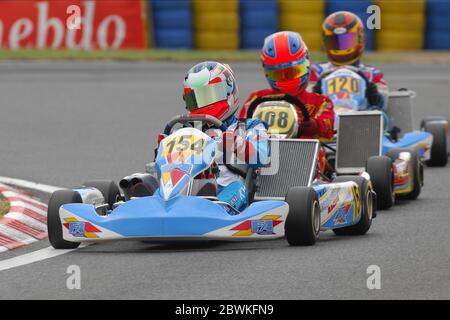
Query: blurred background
{"x": 210, "y": 24}
{"x": 50, "y": 105}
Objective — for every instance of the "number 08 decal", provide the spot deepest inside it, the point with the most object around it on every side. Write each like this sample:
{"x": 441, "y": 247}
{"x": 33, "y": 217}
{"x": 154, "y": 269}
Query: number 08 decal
{"x": 279, "y": 120}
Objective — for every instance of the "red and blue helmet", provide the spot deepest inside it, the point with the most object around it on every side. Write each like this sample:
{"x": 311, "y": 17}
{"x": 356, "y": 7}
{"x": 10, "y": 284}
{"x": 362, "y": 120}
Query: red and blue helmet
{"x": 286, "y": 62}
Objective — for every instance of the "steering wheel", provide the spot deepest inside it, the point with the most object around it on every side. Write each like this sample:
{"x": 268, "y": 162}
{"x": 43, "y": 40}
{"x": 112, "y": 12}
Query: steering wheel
{"x": 285, "y": 97}
{"x": 185, "y": 118}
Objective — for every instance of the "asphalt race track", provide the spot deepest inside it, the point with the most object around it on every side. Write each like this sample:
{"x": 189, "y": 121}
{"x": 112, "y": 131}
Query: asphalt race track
{"x": 62, "y": 123}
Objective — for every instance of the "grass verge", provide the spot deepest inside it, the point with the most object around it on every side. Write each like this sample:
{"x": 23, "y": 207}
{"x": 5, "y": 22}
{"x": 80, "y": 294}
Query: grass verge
{"x": 4, "y": 206}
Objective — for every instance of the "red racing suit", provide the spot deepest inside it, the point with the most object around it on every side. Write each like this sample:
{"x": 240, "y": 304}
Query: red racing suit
{"x": 319, "y": 107}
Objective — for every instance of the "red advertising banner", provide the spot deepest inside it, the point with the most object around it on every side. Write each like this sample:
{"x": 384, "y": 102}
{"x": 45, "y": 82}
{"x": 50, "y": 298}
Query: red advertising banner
{"x": 73, "y": 24}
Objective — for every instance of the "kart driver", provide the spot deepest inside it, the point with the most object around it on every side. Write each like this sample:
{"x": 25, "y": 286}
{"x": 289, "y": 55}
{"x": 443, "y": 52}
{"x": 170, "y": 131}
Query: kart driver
{"x": 286, "y": 65}
{"x": 344, "y": 43}
{"x": 210, "y": 88}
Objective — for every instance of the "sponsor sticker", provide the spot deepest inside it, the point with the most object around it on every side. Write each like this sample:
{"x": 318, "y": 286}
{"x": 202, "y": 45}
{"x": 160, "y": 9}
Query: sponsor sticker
{"x": 80, "y": 229}
{"x": 77, "y": 229}
{"x": 262, "y": 227}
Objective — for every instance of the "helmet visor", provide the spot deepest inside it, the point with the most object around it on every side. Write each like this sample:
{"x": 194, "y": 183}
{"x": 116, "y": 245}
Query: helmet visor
{"x": 288, "y": 73}
{"x": 204, "y": 96}
{"x": 341, "y": 41}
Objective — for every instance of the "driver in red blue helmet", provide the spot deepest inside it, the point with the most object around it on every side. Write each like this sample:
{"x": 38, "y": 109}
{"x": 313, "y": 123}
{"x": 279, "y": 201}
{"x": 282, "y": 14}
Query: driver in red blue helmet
{"x": 210, "y": 88}
{"x": 344, "y": 43}
{"x": 286, "y": 64}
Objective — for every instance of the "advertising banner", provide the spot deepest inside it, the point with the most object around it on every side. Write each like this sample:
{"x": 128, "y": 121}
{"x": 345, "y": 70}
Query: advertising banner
{"x": 73, "y": 24}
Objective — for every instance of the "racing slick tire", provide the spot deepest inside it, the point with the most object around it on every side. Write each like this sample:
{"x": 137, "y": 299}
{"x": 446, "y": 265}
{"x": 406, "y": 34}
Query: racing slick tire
{"x": 302, "y": 225}
{"x": 417, "y": 169}
{"x": 367, "y": 206}
{"x": 382, "y": 177}
{"x": 430, "y": 119}
{"x": 439, "y": 152}
{"x": 108, "y": 188}
{"x": 54, "y": 225}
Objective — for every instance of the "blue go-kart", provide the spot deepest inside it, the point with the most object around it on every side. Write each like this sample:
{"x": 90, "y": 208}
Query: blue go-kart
{"x": 182, "y": 205}
{"x": 346, "y": 87}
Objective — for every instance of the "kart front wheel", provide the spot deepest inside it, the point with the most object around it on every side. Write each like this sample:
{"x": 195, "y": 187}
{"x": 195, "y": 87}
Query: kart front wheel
{"x": 302, "y": 225}
{"x": 366, "y": 205}
{"x": 439, "y": 152}
{"x": 382, "y": 177}
{"x": 54, "y": 225}
{"x": 108, "y": 188}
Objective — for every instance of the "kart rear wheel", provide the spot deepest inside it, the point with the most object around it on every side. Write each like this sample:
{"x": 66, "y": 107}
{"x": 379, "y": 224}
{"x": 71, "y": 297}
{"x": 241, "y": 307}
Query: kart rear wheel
{"x": 416, "y": 169}
{"x": 54, "y": 225}
{"x": 108, "y": 188}
{"x": 302, "y": 225}
{"x": 367, "y": 207}
{"x": 430, "y": 119}
{"x": 439, "y": 152}
{"x": 382, "y": 177}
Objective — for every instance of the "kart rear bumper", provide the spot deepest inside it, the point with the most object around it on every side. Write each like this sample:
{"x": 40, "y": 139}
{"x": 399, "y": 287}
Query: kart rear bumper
{"x": 417, "y": 139}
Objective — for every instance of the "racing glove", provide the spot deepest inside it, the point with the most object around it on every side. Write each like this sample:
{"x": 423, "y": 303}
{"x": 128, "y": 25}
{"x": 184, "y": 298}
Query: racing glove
{"x": 310, "y": 127}
{"x": 232, "y": 143}
{"x": 161, "y": 136}
{"x": 372, "y": 94}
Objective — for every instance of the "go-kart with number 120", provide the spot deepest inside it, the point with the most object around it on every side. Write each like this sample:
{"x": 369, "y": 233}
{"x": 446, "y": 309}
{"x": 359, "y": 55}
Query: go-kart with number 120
{"x": 346, "y": 87}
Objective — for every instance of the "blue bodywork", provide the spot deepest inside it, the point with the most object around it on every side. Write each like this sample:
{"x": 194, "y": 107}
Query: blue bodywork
{"x": 409, "y": 140}
{"x": 338, "y": 204}
{"x": 170, "y": 212}
{"x": 181, "y": 216}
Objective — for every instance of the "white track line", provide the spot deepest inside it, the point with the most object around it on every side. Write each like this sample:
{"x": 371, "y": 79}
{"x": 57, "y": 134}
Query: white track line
{"x": 19, "y": 183}
{"x": 38, "y": 255}
{"x": 31, "y": 257}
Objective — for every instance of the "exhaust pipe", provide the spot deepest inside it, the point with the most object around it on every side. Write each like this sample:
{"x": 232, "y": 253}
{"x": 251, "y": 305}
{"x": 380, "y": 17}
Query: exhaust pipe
{"x": 138, "y": 185}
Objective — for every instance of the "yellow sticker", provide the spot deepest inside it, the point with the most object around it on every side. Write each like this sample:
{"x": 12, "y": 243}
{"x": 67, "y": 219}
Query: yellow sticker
{"x": 356, "y": 200}
{"x": 184, "y": 145}
{"x": 279, "y": 119}
{"x": 342, "y": 84}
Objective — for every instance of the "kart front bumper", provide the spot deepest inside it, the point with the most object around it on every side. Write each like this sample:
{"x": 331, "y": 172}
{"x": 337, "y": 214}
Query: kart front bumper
{"x": 184, "y": 218}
